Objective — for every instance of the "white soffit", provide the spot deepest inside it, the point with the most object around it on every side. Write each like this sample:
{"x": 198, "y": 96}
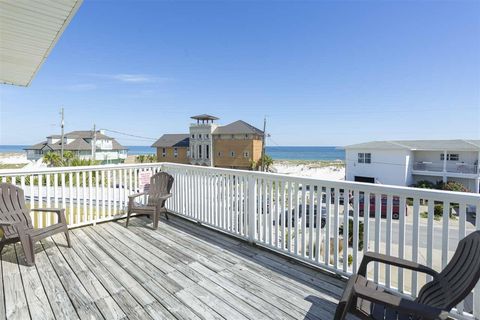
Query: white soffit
{"x": 29, "y": 30}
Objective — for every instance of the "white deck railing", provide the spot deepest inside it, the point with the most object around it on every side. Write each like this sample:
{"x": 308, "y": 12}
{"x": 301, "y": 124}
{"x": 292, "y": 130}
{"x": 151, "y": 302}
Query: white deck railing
{"x": 269, "y": 210}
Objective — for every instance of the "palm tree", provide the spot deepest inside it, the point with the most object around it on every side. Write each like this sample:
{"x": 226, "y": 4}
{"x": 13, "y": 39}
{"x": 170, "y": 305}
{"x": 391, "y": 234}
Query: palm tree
{"x": 266, "y": 161}
{"x": 67, "y": 158}
{"x": 52, "y": 159}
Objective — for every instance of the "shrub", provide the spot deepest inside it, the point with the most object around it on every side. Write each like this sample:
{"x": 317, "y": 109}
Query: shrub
{"x": 425, "y": 184}
{"x": 350, "y": 233}
{"x": 452, "y": 186}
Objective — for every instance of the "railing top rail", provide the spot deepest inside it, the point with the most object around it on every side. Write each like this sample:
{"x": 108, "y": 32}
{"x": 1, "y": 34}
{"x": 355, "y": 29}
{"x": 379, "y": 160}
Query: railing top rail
{"x": 20, "y": 172}
{"x": 461, "y": 197}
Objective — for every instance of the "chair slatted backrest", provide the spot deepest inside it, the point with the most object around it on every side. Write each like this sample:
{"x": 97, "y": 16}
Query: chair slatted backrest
{"x": 458, "y": 278}
{"x": 13, "y": 208}
{"x": 160, "y": 185}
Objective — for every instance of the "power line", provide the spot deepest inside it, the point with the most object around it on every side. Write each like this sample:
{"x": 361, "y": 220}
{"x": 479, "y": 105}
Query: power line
{"x": 129, "y": 134}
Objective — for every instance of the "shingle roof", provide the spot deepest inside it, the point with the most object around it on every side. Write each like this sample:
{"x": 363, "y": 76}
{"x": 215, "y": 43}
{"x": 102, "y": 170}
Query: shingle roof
{"x": 427, "y": 145}
{"x": 173, "y": 140}
{"x": 238, "y": 127}
{"x": 78, "y": 144}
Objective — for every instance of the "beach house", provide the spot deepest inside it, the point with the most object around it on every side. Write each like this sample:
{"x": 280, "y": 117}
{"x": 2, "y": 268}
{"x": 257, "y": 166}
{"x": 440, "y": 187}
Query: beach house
{"x": 85, "y": 144}
{"x": 405, "y": 163}
{"x": 237, "y": 145}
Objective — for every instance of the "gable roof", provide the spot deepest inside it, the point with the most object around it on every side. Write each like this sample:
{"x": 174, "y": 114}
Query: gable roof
{"x": 238, "y": 127}
{"x": 426, "y": 145}
{"x": 79, "y": 142}
{"x": 173, "y": 140}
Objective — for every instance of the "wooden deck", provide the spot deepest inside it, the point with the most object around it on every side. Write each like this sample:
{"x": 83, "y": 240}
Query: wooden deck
{"x": 180, "y": 271}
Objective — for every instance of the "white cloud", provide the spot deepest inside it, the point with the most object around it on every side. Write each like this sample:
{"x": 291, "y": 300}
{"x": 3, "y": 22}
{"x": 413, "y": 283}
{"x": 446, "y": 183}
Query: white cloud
{"x": 131, "y": 77}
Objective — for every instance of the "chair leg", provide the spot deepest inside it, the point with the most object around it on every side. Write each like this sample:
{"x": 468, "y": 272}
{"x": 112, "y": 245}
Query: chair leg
{"x": 68, "y": 239}
{"x": 128, "y": 218}
{"x": 27, "y": 246}
{"x": 155, "y": 218}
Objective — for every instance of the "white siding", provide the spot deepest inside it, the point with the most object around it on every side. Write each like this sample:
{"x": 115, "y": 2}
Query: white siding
{"x": 387, "y": 166}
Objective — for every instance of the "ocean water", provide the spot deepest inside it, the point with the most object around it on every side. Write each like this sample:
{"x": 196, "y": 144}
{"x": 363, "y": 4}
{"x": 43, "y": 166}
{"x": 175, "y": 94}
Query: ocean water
{"x": 277, "y": 153}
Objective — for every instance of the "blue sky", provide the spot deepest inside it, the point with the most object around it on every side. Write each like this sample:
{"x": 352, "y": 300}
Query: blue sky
{"x": 324, "y": 73}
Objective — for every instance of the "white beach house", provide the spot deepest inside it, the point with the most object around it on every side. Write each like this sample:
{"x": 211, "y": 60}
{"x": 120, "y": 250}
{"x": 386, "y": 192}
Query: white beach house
{"x": 85, "y": 144}
{"x": 406, "y": 162}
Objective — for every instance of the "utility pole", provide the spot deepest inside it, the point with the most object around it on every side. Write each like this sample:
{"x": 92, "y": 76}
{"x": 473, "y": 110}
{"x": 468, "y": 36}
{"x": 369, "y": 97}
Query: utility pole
{"x": 263, "y": 143}
{"x": 62, "y": 141}
{"x": 94, "y": 144}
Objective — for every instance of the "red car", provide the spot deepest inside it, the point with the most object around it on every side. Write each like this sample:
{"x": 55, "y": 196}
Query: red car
{"x": 395, "y": 206}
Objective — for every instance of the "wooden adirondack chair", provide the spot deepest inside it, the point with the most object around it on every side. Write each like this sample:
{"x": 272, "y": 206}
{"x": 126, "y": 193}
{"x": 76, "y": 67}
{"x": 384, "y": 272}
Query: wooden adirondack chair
{"x": 367, "y": 300}
{"x": 17, "y": 225}
{"x": 158, "y": 193}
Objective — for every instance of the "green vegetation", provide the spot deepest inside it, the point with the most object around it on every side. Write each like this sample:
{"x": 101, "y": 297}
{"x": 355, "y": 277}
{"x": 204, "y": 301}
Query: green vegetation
{"x": 438, "y": 212}
{"x": 440, "y": 185}
{"x": 53, "y": 159}
{"x": 12, "y": 165}
{"x": 350, "y": 233}
{"x": 146, "y": 158}
{"x": 266, "y": 160}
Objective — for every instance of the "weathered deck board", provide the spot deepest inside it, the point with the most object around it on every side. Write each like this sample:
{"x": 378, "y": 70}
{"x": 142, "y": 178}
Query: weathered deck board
{"x": 180, "y": 271}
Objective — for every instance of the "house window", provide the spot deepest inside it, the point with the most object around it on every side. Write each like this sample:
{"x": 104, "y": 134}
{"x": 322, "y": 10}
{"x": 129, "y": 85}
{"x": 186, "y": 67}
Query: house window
{"x": 199, "y": 136}
{"x": 207, "y": 151}
{"x": 450, "y": 156}
{"x": 361, "y": 157}
{"x": 219, "y": 153}
{"x": 364, "y": 157}
{"x": 368, "y": 158}
{"x": 164, "y": 152}
{"x": 200, "y": 151}
{"x": 245, "y": 154}
{"x": 232, "y": 154}
{"x": 193, "y": 136}
{"x": 206, "y": 136}
{"x": 175, "y": 152}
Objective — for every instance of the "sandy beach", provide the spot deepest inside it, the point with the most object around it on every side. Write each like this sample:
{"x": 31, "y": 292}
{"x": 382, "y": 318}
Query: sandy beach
{"x": 328, "y": 170}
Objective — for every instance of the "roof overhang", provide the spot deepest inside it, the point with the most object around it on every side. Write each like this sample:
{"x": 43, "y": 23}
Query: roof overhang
{"x": 28, "y": 32}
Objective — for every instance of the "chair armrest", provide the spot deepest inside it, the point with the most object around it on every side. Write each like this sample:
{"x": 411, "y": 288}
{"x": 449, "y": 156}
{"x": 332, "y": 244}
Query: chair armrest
{"x": 60, "y": 213}
{"x": 46, "y": 209}
{"x": 132, "y": 196}
{"x": 397, "y": 262}
{"x": 166, "y": 196}
{"x": 402, "y": 305}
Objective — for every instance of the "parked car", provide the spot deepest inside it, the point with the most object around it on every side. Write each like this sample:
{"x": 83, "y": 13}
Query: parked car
{"x": 307, "y": 216}
{"x": 373, "y": 203}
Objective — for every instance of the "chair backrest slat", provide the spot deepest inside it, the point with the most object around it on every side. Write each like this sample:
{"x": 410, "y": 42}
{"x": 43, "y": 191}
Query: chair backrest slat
{"x": 160, "y": 185}
{"x": 13, "y": 208}
{"x": 457, "y": 279}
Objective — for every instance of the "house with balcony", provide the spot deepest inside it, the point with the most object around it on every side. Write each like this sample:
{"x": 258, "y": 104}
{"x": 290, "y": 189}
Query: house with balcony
{"x": 405, "y": 162}
{"x": 85, "y": 144}
{"x": 237, "y": 145}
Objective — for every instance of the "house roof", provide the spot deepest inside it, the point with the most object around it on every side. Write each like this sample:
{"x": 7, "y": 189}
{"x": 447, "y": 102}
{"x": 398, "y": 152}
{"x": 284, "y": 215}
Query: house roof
{"x": 30, "y": 30}
{"x": 173, "y": 140}
{"x": 84, "y": 134}
{"x": 238, "y": 127}
{"x": 426, "y": 145}
{"x": 204, "y": 117}
{"x": 79, "y": 142}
